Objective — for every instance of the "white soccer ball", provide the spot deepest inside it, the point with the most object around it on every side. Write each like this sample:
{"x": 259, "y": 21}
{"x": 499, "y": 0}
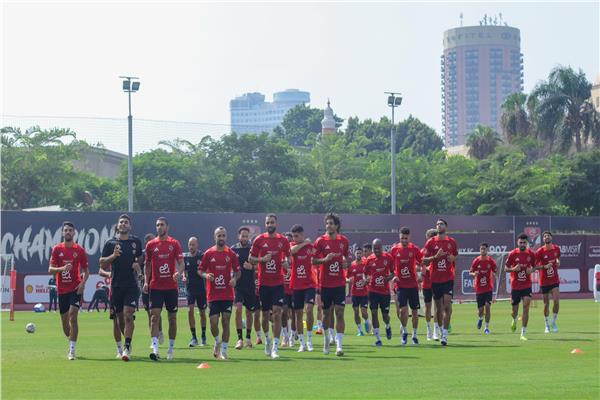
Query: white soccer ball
{"x": 39, "y": 307}
{"x": 30, "y": 328}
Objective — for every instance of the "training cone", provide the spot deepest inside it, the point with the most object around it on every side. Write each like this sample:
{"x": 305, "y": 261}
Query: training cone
{"x": 203, "y": 365}
{"x": 576, "y": 351}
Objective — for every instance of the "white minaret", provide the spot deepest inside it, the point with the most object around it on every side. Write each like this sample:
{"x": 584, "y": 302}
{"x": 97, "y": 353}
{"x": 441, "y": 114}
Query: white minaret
{"x": 328, "y": 123}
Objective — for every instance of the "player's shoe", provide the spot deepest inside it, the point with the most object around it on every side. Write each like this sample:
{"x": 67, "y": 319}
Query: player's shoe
{"x": 360, "y": 333}
{"x": 239, "y": 344}
{"x": 203, "y": 342}
{"x": 170, "y": 354}
{"x": 554, "y": 327}
{"x": 513, "y": 325}
{"x": 302, "y": 348}
{"x": 223, "y": 357}
{"x": 486, "y": 331}
{"x": 479, "y": 323}
{"x": 258, "y": 341}
{"x": 319, "y": 331}
{"x": 444, "y": 340}
{"x": 404, "y": 338}
{"x": 154, "y": 356}
{"x": 523, "y": 338}
{"x": 284, "y": 343}
{"x": 331, "y": 340}
{"x": 339, "y": 352}
{"x": 161, "y": 338}
{"x": 388, "y": 333}
{"x": 268, "y": 347}
{"x": 275, "y": 353}
{"x": 217, "y": 350}
{"x": 71, "y": 355}
{"x": 326, "y": 346}
{"x": 292, "y": 341}
{"x": 547, "y": 329}
{"x": 248, "y": 343}
{"x": 436, "y": 334}
{"x": 193, "y": 342}
{"x": 119, "y": 354}
{"x": 125, "y": 355}
{"x": 309, "y": 346}
{"x": 378, "y": 343}
{"x": 415, "y": 340}
{"x": 429, "y": 336}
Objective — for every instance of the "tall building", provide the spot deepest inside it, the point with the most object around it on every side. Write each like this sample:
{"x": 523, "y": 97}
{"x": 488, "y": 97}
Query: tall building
{"x": 480, "y": 67}
{"x": 250, "y": 113}
{"x": 595, "y": 99}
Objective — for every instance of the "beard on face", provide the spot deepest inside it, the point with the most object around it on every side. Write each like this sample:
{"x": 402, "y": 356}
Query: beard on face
{"x": 220, "y": 242}
{"x": 271, "y": 229}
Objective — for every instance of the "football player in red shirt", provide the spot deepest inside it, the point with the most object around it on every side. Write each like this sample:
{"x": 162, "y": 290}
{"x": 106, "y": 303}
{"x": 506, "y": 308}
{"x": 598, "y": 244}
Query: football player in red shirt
{"x": 379, "y": 271}
{"x": 164, "y": 265}
{"x": 332, "y": 255}
{"x": 548, "y": 262}
{"x": 358, "y": 290}
{"x": 432, "y": 334}
{"x": 221, "y": 269}
{"x": 484, "y": 269}
{"x": 520, "y": 263}
{"x": 68, "y": 261}
{"x": 271, "y": 251}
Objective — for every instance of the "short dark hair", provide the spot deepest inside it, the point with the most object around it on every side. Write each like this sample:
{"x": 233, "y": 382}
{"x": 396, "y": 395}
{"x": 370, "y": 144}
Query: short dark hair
{"x": 404, "y": 230}
{"x": 68, "y": 223}
{"x": 443, "y": 220}
{"x": 367, "y": 246}
{"x": 335, "y": 218}
{"x": 164, "y": 219}
{"x": 523, "y": 236}
{"x": 243, "y": 228}
{"x": 124, "y": 216}
{"x": 148, "y": 237}
{"x": 431, "y": 233}
{"x": 271, "y": 215}
{"x": 297, "y": 229}
{"x": 546, "y": 232}
{"x": 484, "y": 244}
{"x": 288, "y": 234}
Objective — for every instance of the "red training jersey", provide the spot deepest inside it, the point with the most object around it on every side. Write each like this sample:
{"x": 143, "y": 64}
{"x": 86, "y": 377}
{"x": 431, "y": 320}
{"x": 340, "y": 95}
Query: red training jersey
{"x": 163, "y": 256}
{"x": 303, "y": 275}
{"x": 67, "y": 281}
{"x": 426, "y": 284}
{"x": 405, "y": 265}
{"x": 378, "y": 268}
{"x": 484, "y": 280}
{"x": 332, "y": 272}
{"x": 270, "y": 273}
{"x": 222, "y": 264}
{"x": 520, "y": 279}
{"x": 544, "y": 256}
{"x": 442, "y": 270}
{"x": 357, "y": 273}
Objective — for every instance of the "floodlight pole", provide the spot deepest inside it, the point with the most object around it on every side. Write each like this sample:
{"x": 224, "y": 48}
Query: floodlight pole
{"x": 130, "y": 140}
{"x": 393, "y": 96}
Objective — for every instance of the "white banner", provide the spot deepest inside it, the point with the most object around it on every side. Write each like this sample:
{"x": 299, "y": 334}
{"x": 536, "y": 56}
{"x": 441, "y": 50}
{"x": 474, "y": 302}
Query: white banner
{"x": 570, "y": 280}
{"x": 93, "y": 283}
{"x": 35, "y": 289}
{"x": 5, "y": 282}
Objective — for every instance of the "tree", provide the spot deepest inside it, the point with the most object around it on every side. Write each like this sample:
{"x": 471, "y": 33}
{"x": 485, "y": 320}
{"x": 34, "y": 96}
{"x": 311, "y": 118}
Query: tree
{"x": 482, "y": 142}
{"x": 299, "y": 122}
{"x": 580, "y": 185}
{"x": 515, "y": 120}
{"x": 560, "y": 109}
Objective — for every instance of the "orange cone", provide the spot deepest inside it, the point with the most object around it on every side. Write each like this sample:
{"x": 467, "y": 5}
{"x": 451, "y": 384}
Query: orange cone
{"x": 576, "y": 351}
{"x": 203, "y": 365}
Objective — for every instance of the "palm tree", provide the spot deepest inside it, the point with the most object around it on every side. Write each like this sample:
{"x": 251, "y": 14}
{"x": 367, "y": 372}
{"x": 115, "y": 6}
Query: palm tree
{"x": 482, "y": 142}
{"x": 515, "y": 121}
{"x": 559, "y": 106}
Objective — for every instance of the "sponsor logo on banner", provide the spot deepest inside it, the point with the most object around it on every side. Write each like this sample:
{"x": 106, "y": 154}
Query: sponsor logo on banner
{"x": 570, "y": 280}
{"x": 573, "y": 250}
{"x": 5, "y": 282}
{"x": 35, "y": 288}
{"x": 594, "y": 252}
{"x": 468, "y": 283}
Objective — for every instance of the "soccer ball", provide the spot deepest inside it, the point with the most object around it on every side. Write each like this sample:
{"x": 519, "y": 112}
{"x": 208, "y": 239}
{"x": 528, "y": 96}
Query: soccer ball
{"x": 39, "y": 307}
{"x": 30, "y": 328}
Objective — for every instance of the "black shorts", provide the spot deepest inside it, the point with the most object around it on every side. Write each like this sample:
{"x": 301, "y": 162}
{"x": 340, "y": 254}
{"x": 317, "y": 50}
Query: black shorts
{"x": 333, "y": 295}
{"x": 440, "y": 289}
{"x": 409, "y": 296}
{"x": 483, "y": 299}
{"x": 198, "y": 298}
{"x": 146, "y": 301}
{"x": 360, "y": 301}
{"x": 219, "y": 307}
{"x": 246, "y": 296}
{"x": 270, "y": 296}
{"x": 302, "y": 296}
{"x": 288, "y": 300}
{"x": 548, "y": 288}
{"x": 427, "y": 295}
{"x": 516, "y": 295}
{"x": 66, "y": 300}
{"x": 378, "y": 300}
{"x": 168, "y": 297}
{"x": 124, "y": 296}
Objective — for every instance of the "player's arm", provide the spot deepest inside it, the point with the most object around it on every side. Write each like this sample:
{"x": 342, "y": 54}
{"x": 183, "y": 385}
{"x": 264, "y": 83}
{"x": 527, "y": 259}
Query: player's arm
{"x": 86, "y": 273}
{"x": 326, "y": 259}
{"x": 107, "y": 256}
{"x": 104, "y": 271}
{"x": 236, "y": 277}
{"x": 297, "y": 247}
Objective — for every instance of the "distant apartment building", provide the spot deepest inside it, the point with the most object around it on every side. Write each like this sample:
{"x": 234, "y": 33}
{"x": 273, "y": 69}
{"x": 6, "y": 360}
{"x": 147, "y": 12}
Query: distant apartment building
{"x": 480, "y": 67}
{"x": 251, "y": 113}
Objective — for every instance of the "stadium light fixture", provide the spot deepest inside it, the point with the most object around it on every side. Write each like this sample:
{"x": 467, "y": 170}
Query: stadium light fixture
{"x": 394, "y": 100}
{"x": 130, "y": 84}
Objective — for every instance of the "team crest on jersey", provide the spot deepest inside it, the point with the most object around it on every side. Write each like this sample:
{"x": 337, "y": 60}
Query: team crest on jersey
{"x": 133, "y": 245}
{"x": 384, "y": 262}
{"x": 170, "y": 248}
{"x": 410, "y": 253}
{"x": 227, "y": 258}
{"x": 342, "y": 246}
{"x": 280, "y": 245}
{"x": 75, "y": 255}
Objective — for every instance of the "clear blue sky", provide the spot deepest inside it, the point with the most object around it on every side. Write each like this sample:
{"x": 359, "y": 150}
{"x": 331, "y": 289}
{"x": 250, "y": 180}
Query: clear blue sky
{"x": 65, "y": 58}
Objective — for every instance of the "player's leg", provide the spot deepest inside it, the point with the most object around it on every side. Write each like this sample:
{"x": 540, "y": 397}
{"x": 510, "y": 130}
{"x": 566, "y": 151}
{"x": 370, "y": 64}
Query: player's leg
{"x": 297, "y": 312}
{"x": 319, "y": 302}
{"x": 447, "y": 304}
{"x": 402, "y": 301}
{"x": 555, "y": 293}
{"x": 249, "y": 324}
{"x": 117, "y": 335}
{"x": 266, "y": 305}
{"x": 415, "y": 306}
{"x": 488, "y": 314}
{"x": 64, "y": 314}
{"x": 546, "y": 298}
{"x": 285, "y": 315}
{"x": 384, "y": 303}
{"x": 356, "y": 311}
{"x": 373, "y": 306}
{"x": 201, "y": 304}
{"x": 292, "y": 327}
{"x": 438, "y": 310}
{"x": 73, "y": 323}
{"x": 340, "y": 323}
{"x": 156, "y": 301}
{"x": 172, "y": 298}
{"x": 309, "y": 300}
{"x": 239, "y": 308}
{"x": 225, "y": 319}
{"x": 364, "y": 311}
{"x": 525, "y": 318}
{"x": 213, "y": 317}
{"x": 192, "y": 323}
{"x": 258, "y": 325}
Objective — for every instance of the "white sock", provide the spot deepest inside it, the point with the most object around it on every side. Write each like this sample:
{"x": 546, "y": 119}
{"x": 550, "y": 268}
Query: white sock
{"x": 120, "y": 347}
{"x": 436, "y": 327}
{"x": 309, "y": 336}
{"x": 267, "y": 337}
{"x": 259, "y": 334}
{"x": 217, "y": 339}
{"x": 320, "y": 324}
{"x": 224, "y": 347}
{"x": 481, "y": 318}
{"x": 547, "y": 322}
{"x": 414, "y": 332}
{"x": 301, "y": 338}
{"x": 402, "y": 329}
{"x": 293, "y": 335}
{"x": 515, "y": 318}
{"x": 428, "y": 326}
{"x": 284, "y": 332}
{"x": 275, "y": 343}
{"x": 331, "y": 334}
{"x": 339, "y": 338}
{"x": 72, "y": 344}
{"x": 359, "y": 327}
{"x": 155, "y": 344}
{"x": 523, "y": 330}
{"x": 376, "y": 332}
{"x": 487, "y": 325}
{"x": 171, "y": 344}
{"x": 445, "y": 332}
{"x": 554, "y": 316}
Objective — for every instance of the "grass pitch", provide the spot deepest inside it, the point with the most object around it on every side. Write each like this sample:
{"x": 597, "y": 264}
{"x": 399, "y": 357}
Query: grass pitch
{"x": 34, "y": 366}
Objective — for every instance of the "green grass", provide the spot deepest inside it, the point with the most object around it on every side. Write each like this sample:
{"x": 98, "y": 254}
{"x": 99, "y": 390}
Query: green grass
{"x": 472, "y": 366}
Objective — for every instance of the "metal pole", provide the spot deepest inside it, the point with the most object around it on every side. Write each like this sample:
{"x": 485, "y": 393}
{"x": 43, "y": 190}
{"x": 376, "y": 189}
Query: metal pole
{"x": 393, "y": 154}
{"x": 130, "y": 156}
